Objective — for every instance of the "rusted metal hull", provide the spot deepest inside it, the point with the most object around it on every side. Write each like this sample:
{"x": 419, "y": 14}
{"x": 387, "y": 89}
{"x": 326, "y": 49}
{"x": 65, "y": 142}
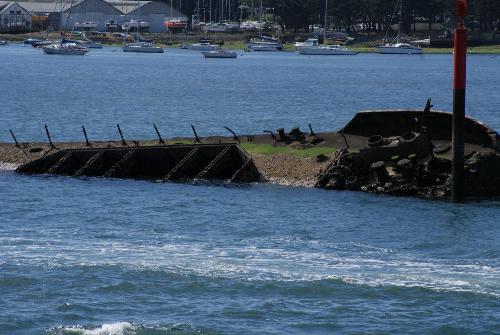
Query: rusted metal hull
{"x": 177, "y": 163}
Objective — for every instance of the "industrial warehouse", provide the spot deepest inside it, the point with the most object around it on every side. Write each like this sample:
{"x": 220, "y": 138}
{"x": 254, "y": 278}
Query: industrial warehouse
{"x": 95, "y": 15}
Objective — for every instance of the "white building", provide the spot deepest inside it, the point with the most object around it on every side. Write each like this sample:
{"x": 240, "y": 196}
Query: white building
{"x": 155, "y": 12}
{"x": 73, "y": 14}
{"x": 118, "y": 12}
{"x": 13, "y": 17}
{"x": 96, "y": 11}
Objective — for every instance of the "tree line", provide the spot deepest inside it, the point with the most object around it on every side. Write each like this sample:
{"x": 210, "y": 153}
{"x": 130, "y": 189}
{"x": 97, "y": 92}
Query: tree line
{"x": 369, "y": 15}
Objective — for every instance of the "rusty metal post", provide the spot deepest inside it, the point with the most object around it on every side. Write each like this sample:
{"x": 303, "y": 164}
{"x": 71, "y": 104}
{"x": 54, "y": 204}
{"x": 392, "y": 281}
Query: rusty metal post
{"x": 48, "y": 136}
{"x": 160, "y": 140}
{"x": 14, "y": 137}
{"x": 312, "y": 132}
{"x": 234, "y": 134}
{"x": 87, "y": 143}
{"x": 197, "y": 139}
{"x": 121, "y": 134}
{"x": 459, "y": 85}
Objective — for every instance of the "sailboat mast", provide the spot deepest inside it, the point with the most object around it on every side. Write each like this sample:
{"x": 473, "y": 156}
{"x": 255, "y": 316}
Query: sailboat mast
{"x": 400, "y": 17}
{"x": 260, "y": 25}
{"x": 326, "y": 13}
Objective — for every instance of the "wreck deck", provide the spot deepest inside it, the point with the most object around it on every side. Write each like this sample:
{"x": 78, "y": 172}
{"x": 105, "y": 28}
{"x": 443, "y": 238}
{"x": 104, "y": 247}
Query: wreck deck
{"x": 226, "y": 161}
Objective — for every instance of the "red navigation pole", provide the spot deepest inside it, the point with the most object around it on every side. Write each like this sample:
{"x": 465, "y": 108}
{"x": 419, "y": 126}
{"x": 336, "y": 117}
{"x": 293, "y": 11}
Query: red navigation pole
{"x": 459, "y": 79}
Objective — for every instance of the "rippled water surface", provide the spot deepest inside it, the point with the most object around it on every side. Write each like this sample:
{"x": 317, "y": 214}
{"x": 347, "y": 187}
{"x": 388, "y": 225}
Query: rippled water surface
{"x": 98, "y": 256}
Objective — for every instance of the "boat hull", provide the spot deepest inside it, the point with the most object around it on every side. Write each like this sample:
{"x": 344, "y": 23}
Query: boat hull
{"x": 265, "y": 47}
{"x": 49, "y": 50}
{"x": 326, "y": 51}
{"x": 399, "y": 51}
{"x": 200, "y": 47}
{"x": 215, "y": 54}
{"x": 148, "y": 50}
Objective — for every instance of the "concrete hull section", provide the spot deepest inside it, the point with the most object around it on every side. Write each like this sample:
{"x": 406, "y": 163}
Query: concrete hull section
{"x": 178, "y": 163}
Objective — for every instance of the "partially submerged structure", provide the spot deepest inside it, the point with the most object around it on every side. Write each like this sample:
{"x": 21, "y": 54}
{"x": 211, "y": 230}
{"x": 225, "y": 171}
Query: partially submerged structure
{"x": 178, "y": 163}
{"x": 409, "y": 153}
{"x": 402, "y": 152}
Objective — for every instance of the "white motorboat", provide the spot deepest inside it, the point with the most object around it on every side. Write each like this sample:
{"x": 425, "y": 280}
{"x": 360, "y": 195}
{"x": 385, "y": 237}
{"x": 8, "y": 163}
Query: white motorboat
{"x": 201, "y": 46}
{"x": 265, "y": 43}
{"x": 326, "y": 50}
{"x": 399, "y": 48}
{"x": 2, "y": 42}
{"x": 426, "y": 42}
{"x": 144, "y": 47}
{"x": 65, "y": 49}
{"x": 220, "y": 53}
{"x": 307, "y": 43}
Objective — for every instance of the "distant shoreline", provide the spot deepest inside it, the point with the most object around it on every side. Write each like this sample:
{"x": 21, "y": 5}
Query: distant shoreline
{"x": 238, "y": 41}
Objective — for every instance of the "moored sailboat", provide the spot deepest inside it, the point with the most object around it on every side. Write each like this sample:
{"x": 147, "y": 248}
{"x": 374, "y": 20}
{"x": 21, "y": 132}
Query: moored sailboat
{"x": 312, "y": 47}
{"x": 65, "y": 49}
{"x": 397, "y": 46}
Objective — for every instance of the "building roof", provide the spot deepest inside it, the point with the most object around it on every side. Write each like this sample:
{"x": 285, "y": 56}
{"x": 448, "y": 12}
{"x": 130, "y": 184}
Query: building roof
{"x": 4, "y": 5}
{"x": 123, "y": 6}
{"x": 156, "y": 7}
{"x": 39, "y": 7}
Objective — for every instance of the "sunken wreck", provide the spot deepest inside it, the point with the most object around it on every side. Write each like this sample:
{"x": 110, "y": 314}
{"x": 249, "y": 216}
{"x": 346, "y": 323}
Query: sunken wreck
{"x": 398, "y": 152}
{"x": 176, "y": 163}
{"x": 409, "y": 153}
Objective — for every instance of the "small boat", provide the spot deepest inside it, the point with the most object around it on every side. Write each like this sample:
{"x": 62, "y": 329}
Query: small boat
{"x": 144, "y": 47}
{"x": 220, "y": 53}
{"x": 176, "y": 23}
{"x": 43, "y": 43}
{"x": 30, "y": 41}
{"x": 65, "y": 49}
{"x": 307, "y": 43}
{"x": 265, "y": 43}
{"x": 89, "y": 44}
{"x": 201, "y": 46}
{"x": 86, "y": 25}
{"x": 136, "y": 25}
{"x": 399, "y": 48}
{"x": 426, "y": 42}
{"x": 326, "y": 50}
{"x": 2, "y": 42}
{"x": 111, "y": 25}
{"x": 312, "y": 46}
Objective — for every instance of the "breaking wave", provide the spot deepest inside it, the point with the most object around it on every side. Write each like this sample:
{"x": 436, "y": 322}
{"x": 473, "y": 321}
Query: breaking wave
{"x": 124, "y": 328}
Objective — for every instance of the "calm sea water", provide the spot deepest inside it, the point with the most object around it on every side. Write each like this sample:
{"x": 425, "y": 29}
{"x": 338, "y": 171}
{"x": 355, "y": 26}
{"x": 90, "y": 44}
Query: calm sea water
{"x": 96, "y": 256}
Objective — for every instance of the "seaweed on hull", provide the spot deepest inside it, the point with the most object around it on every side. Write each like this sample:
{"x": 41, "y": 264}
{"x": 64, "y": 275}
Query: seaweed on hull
{"x": 415, "y": 163}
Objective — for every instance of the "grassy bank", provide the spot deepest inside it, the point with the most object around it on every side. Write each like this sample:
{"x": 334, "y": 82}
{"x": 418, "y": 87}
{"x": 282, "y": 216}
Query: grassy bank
{"x": 268, "y": 149}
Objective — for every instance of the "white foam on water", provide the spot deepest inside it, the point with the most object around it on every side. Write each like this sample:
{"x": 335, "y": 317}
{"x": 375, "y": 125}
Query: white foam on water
{"x": 117, "y": 328}
{"x": 351, "y": 263}
{"x": 8, "y": 166}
